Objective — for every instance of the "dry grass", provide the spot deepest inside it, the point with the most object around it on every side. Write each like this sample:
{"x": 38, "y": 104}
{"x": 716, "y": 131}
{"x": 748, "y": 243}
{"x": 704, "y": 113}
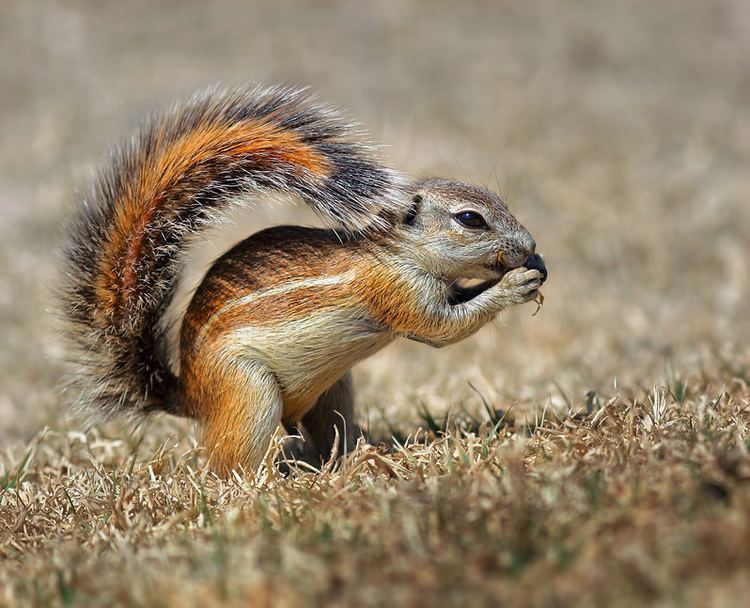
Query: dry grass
{"x": 634, "y": 501}
{"x": 620, "y": 134}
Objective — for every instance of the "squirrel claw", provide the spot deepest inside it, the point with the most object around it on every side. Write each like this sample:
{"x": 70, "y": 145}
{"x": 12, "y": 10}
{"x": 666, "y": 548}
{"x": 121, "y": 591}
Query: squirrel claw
{"x": 539, "y": 301}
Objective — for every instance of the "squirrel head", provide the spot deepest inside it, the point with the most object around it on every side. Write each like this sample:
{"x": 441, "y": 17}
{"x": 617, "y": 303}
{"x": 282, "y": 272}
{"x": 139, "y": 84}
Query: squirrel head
{"x": 455, "y": 230}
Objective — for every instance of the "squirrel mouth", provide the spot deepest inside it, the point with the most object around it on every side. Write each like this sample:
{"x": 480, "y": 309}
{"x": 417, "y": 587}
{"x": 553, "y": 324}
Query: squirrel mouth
{"x": 462, "y": 291}
{"x": 499, "y": 269}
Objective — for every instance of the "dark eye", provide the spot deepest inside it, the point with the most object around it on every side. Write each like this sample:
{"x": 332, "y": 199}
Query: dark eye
{"x": 470, "y": 219}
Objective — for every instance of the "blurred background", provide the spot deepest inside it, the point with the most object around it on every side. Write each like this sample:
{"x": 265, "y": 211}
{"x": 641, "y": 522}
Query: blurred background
{"x": 619, "y": 133}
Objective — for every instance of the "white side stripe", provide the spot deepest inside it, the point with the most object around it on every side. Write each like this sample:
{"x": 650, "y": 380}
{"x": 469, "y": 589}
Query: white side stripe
{"x": 338, "y": 279}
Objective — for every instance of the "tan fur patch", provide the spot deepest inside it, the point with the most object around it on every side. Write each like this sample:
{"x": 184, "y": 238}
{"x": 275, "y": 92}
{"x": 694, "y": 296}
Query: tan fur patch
{"x": 239, "y": 406}
{"x": 392, "y": 301}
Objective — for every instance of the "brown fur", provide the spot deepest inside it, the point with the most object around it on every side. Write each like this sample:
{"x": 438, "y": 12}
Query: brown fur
{"x": 391, "y": 300}
{"x": 148, "y": 193}
{"x": 269, "y": 260}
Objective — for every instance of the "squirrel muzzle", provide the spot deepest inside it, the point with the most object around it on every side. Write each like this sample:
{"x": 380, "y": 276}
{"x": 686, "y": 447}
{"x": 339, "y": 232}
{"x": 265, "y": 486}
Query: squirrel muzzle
{"x": 517, "y": 249}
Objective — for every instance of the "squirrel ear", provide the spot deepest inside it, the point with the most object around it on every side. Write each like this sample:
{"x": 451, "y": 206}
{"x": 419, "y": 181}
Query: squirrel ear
{"x": 416, "y": 205}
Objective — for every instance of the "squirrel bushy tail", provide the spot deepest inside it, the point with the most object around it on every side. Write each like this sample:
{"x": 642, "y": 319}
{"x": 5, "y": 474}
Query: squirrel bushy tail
{"x": 172, "y": 181}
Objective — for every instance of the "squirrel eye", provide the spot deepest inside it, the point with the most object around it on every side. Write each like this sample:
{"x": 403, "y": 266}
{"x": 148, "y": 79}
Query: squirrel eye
{"x": 470, "y": 219}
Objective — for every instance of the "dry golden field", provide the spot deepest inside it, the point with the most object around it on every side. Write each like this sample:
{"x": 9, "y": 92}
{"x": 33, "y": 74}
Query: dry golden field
{"x": 597, "y": 454}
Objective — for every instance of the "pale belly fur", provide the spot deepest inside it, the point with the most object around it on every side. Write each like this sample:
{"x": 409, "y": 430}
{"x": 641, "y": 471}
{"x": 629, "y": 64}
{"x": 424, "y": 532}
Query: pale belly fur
{"x": 309, "y": 355}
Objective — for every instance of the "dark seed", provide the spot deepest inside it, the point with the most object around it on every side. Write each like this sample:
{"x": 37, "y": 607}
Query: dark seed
{"x": 536, "y": 262}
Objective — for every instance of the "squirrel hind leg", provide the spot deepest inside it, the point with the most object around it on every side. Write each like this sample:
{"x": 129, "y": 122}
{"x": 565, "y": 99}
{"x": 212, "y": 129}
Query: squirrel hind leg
{"x": 332, "y": 415}
{"x": 242, "y": 407}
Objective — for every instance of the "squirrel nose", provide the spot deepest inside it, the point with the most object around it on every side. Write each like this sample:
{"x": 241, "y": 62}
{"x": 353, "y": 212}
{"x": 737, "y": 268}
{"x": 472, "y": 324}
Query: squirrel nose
{"x": 517, "y": 249}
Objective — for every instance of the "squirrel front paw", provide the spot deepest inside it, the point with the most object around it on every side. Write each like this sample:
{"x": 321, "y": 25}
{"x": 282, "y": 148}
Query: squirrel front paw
{"x": 522, "y": 285}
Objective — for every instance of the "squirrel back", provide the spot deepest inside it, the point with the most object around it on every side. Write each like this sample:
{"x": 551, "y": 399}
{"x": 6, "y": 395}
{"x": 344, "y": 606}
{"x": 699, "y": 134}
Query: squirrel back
{"x": 176, "y": 178}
